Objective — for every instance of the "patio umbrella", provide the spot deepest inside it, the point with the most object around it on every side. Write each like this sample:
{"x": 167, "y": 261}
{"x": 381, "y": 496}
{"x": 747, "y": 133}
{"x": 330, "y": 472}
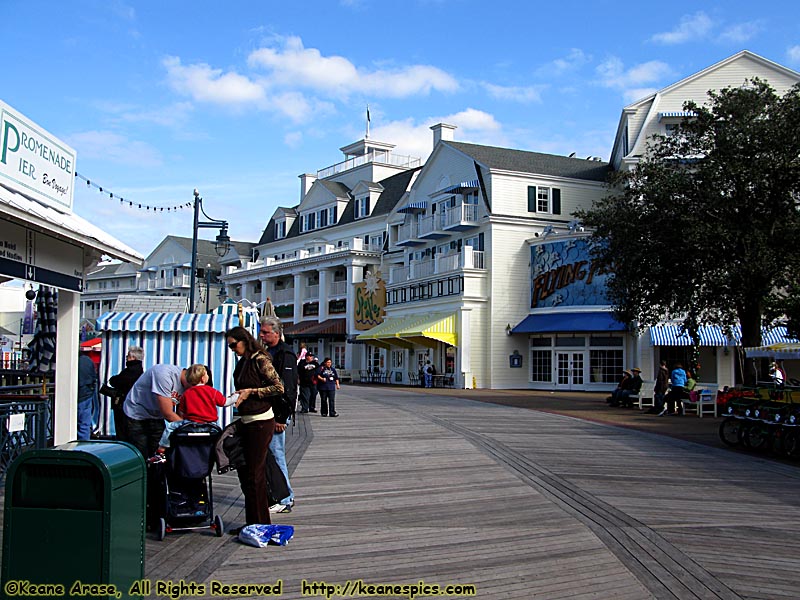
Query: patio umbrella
{"x": 43, "y": 346}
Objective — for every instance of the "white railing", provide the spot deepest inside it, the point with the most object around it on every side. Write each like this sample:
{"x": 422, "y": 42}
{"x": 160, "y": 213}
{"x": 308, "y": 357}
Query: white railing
{"x": 447, "y": 263}
{"x": 466, "y": 259}
{"x": 431, "y": 223}
{"x": 338, "y": 288}
{"x": 380, "y": 156}
{"x": 310, "y": 291}
{"x": 399, "y": 274}
{"x": 146, "y": 284}
{"x": 284, "y": 296}
{"x": 463, "y": 213}
{"x": 407, "y": 231}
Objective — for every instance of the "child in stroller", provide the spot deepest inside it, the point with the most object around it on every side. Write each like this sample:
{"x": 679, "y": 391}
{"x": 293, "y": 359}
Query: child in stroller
{"x": 184, "y": 473}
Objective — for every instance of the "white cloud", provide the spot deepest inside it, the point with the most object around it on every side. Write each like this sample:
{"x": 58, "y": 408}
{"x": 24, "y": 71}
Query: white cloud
{"x": 793, "y": 54}
{"x": 532, "y": 93}
{"x": 291, "y": 64}
{"x": 613, "y": 73}
{"x": 293, "y": 139}
{"x": 742, "y": 32}
{"x": 115, "y": 148}
{"x": 571, "y": 62}
{"x": 634, "y": 94}
{"x": 416, "y": 139}
{"x": 691, "y": 27}
{"x": 206, "y": 84}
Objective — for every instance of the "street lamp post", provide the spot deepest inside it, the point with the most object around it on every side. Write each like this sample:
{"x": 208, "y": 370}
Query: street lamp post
{"x": 221, "y": 245}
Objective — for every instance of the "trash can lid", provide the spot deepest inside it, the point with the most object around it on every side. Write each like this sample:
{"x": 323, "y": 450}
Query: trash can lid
{"x": 119, "y": 462}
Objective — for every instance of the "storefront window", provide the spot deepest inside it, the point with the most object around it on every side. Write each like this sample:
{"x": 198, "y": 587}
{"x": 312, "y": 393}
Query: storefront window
{"x": 397, "y": 359}
{"x": 541, "y": 365}
{"x": 375, "y": 359}
{"x": 606, "y": 366}
{"x": 338, "y": 356}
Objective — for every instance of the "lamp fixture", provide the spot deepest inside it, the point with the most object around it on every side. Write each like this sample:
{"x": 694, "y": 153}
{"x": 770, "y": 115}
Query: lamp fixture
{"x": 508, "y": 329}
{"x": 222, "y": 244}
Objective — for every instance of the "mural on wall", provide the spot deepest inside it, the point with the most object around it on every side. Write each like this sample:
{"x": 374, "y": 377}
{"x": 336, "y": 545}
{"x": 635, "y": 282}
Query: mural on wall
{"x": 563, "y": 273}
{"x": 370, "y": 303}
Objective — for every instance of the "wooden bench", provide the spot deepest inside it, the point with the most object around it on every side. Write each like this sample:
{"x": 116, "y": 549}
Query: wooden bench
{"x": 704, "y": 404}
{"x": 345, "y": 376}
{"x": 646, "y": 396}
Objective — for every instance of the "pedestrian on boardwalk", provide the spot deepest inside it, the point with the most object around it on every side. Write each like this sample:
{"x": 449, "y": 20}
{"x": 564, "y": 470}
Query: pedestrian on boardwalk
{"x": 328, "y": 383}
{"x": 87, "y": 390}
{"x": 257, "y": 383}
{"x": 307, "y": 375}
{"x": 660, "y": 389}
{"x": 122, "y": 383}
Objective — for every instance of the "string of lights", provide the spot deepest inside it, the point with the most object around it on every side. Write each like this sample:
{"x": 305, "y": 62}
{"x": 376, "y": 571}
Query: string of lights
{"x": 131, "y": 203}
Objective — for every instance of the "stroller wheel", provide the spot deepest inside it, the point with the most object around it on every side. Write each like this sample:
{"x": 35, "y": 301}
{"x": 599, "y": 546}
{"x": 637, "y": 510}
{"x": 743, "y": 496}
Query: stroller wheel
{"x": 162, "y": 529}
{"x": 218, "y": 526}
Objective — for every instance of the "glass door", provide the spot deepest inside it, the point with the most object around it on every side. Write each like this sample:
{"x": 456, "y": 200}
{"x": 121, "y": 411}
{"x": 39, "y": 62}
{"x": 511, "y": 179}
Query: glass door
{"x": 570, "y": 368}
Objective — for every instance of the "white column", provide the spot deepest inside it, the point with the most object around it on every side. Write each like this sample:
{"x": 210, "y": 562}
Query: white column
{"x": 264, "y": 291}
{"x": 299, "y": 282}
{"x": 65, "y": 420}
{"x": 465, "y": 346}
{"x": 353, "y": 353}
{"x": 324, "y": 293}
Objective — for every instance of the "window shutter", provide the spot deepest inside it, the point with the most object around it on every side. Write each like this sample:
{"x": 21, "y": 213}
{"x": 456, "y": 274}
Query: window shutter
{"x": 480, "y": 242}
{"x": 366, "y": 206}
{"x": 556, "y": 201}
{"x": 531, "y": 198}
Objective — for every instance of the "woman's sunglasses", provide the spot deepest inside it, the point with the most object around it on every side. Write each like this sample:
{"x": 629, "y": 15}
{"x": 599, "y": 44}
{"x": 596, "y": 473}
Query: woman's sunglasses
{"x": 232, "y": 345}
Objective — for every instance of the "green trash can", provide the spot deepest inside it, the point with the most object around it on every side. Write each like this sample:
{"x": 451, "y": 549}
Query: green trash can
{"x": 74, "y": 516}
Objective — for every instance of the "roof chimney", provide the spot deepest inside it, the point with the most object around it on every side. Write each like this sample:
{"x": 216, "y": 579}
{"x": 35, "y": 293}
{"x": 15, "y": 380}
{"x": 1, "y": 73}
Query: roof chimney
{"x": 442, "y": 132}
{"x": 306, "y": 181}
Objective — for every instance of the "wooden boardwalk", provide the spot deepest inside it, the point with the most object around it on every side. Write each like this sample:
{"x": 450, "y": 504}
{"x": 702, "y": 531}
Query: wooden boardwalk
{"x": 408, "y": 486}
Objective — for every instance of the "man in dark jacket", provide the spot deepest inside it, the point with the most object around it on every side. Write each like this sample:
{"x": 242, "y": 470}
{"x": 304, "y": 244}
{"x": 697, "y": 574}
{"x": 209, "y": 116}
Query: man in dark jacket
{"x": 307, "y": 373}
{"x": 285, "y": 362}
{"x": 122, "y": 383}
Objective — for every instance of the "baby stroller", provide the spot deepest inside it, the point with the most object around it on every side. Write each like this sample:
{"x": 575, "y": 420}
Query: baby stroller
{"x": 186, "y": 480}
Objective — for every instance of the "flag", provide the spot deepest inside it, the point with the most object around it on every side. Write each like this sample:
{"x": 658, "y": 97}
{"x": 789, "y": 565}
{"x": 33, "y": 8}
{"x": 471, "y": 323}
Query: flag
{"x": 367, "y": 113}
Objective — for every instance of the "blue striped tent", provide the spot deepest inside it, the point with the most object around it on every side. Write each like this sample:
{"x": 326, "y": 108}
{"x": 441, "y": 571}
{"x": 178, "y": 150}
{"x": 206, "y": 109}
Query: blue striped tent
{"x": 712, "y": 335}
{"x": 171, "y": 338}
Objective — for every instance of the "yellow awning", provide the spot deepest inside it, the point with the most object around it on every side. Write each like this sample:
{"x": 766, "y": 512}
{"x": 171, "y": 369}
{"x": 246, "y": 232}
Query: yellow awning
{"x": 415, "y": 329}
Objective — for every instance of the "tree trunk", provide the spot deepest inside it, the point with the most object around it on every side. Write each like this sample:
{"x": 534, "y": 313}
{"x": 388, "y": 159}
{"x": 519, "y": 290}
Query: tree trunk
{"x": 750, "y": 322}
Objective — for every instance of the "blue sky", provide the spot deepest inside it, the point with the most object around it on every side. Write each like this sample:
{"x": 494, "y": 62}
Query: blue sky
{"x": 239, "y": 98}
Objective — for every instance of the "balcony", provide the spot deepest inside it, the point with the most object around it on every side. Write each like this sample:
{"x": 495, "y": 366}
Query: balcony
{"x": 466, "y": 259}
{"x": 432, "y": 227}
{"x": 310, "y": 292}
{"x": 285, "y": 296}
{"x": 385, "y": 157}
{"x": 146, "y": 285}
{"x": 338, "y": 289}
{"x": 461, "y": 217}
{"x": 408, "y": 235}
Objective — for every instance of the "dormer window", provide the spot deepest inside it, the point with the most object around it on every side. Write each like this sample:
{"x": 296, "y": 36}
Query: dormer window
{"x": 280, "y": 230}
{"x": 362, "y": 207}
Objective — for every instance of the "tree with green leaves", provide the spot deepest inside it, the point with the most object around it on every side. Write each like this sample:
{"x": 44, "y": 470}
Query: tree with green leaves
{"x": 706, "y": 227}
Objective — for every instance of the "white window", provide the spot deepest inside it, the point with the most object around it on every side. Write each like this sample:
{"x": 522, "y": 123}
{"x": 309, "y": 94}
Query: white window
{"x": 332, "y": 215}
{"x": 309, "y": 221}
{"x": 376, "y": 242}
{"x": 280, "y": 230}
{"x": 323, "y": 218}
{"x": 397, "y": 358}
{"x": 362, "y": 207}
{"x": 471, "y": 197}
{"x": 338, "y": 356}
{"x": 543, "y": 199}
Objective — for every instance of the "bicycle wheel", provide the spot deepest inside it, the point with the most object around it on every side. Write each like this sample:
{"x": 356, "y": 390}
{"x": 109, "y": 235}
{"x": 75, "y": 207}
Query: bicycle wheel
{"x": 755, "y": 436}
{"x": 729, "y": 431}
{"x": 791, "y": 442}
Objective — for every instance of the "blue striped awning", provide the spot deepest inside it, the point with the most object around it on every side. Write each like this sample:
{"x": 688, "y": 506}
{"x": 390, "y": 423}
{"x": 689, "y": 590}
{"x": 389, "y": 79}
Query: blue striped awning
{"x": 153, "y": 321}
{"x": 412, "y": 206}
{"x": 676, "y": 114}
{"x": 712, "y": 335}
{"x": 472, "y": 184}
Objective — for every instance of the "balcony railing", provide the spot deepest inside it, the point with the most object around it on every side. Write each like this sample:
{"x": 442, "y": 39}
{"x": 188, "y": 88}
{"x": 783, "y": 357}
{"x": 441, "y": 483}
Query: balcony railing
{"x": 285, "y": 296}
{"x": 407, "y": 231}
{"x": 380, "y": 156}
{"x": 311, "y": 292}
{"x": 338, "y": 288}
{"x": 430, "y": 224}
{"x": 354, "y": 244}
{"x": 466, "y": 259}
{"x": 463, "y": 213}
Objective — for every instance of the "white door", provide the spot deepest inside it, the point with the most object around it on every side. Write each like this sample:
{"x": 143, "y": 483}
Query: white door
{"x": 570, "y": 370}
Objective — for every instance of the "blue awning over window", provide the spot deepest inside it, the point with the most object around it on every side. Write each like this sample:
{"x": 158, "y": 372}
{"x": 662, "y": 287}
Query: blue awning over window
{"x": 412, "y": 206}
{"x": 676, "y": 114}
{"x": 459, "y": 187}
{"x": 569, "y": 322}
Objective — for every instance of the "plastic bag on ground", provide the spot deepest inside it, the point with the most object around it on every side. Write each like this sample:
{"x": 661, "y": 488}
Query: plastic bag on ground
{"x": 261, "y": 536}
